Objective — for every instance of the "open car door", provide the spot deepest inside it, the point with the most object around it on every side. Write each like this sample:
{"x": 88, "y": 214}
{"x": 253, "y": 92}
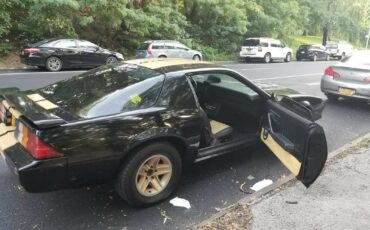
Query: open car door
{"x": 298, "y": 143}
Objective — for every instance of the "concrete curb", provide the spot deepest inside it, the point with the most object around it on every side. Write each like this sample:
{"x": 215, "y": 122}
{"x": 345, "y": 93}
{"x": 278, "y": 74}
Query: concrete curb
{"x": 282, "y": 182}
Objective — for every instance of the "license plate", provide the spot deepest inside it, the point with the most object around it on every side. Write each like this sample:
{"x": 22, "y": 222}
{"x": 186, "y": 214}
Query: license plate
{"x": 347, "y": 92}
{"x": 302, "y": 52}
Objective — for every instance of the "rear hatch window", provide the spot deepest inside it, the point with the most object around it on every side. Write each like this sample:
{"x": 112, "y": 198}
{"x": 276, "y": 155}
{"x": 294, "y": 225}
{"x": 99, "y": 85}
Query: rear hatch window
{"x": 106, "y": 90}
{"x": 304, "y": 47}
{"x": 143, "y": 46}
{"x": 251, "y": 42}
{"x": 332, "y": 46}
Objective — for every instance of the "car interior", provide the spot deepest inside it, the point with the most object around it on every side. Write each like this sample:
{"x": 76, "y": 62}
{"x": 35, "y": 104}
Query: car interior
{"x": 230, "y": 110}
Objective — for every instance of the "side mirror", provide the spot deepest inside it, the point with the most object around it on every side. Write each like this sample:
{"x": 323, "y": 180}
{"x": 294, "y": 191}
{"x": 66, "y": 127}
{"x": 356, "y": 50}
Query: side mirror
{"x": 307, "y": 106}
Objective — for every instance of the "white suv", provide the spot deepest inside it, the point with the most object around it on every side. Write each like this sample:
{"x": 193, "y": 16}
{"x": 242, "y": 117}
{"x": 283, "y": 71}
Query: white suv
{"x": 266, "y": 49}
{"x": 339, "y": 50}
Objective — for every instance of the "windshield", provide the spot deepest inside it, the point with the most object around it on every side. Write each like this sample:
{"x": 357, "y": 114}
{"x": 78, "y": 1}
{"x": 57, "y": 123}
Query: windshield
{"x": 106, "y": 90}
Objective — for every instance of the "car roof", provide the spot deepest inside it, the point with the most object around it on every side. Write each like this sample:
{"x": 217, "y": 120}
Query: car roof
{"x": 171, "y": 65}
{"x": 265, "y": 39}
{"x": 160, "y": 41}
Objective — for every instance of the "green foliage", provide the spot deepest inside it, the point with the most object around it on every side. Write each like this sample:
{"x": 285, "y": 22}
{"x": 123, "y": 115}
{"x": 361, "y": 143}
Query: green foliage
{"x": 216, "y": 27}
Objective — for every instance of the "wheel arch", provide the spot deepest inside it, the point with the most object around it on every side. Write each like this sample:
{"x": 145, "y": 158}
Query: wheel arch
{"x": 177, "y": 142}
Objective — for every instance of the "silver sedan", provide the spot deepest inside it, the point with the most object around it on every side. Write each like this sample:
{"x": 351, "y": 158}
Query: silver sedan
{"x": 348, "y": 78}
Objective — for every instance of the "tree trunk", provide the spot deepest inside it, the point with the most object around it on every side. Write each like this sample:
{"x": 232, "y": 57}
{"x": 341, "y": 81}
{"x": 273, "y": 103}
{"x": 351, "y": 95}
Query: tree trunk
{"x": 325, "y": 35}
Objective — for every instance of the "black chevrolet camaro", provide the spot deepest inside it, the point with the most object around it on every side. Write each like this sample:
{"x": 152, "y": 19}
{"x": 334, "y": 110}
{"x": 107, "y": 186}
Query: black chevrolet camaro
{"x": 139, "y": 123}
{"x": 55, "y": 54}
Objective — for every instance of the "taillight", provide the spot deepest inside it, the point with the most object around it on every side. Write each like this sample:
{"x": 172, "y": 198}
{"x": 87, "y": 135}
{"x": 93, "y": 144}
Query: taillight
{"x": 259, "y": 49}
{"x": 329, "y": 72}
{"x": 150, "y": 50}
{"x": 367, "y": 79}
{"x": 34, "y": 145}
{"x": 30, "y": 51}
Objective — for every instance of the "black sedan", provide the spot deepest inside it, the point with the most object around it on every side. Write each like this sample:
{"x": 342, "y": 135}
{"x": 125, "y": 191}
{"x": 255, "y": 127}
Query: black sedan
{"x": 312, "y": 52}
{"x": 55, "y": 54}
{"x": 139, "y": 123}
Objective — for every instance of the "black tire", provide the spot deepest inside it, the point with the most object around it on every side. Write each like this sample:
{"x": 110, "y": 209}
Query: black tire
{"x": 288, "y": 57}
{"x": 162, "y": 56}
{"x": 314, "y": 58}
{"x": 299, "y": 59}
{"x": 197, "y": 58}
{"x": 126, "y": 183}
{"x": 342, "y": 56}
{"x": 332, "y": 97}
{"x": 111, "y": 60}
{"x": 53, "y": 64}
{"x": 267, "y": 58}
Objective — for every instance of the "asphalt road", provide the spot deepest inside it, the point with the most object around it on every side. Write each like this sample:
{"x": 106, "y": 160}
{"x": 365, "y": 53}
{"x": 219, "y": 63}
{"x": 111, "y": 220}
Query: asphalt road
{"x": 208, "y": 185}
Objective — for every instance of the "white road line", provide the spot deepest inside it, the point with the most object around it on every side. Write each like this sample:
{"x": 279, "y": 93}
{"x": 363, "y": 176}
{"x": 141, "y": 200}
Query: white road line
{"x": 27, "y": 73}
{"x": 291, "y": 76}
{"x": 256, "y": 68}
{"x": 313, "y": 83}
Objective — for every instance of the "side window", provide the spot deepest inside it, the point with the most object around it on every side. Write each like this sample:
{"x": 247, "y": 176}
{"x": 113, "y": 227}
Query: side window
{"x": 66, "y": 43}
{"x": 274, "y": 45}
{"x": 264, "y": 44}
{"x": 178, "y": 94}
{"x": 223, "y": 80}
{"x": 158, "y": 47}
{"x": 87, "y": 44}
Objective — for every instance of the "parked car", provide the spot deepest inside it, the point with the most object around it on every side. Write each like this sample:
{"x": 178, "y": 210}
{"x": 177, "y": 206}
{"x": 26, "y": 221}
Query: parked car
{"x": 339, "y": 50}
{"x": 349, "y": 78}
{"x": 312, "y": 52}
{"x": 166, "y": 49}
{"x": 139, "y": 123}
{"x": 56, "y": 54}
{"x": 265, "y": 49}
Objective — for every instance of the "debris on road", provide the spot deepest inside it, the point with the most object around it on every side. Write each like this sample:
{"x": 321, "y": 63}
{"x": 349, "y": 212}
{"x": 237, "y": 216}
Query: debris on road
{"x": 250, "y": 177}
{"x": 165, "y": 216}
{"x": 243, "y": 189}
{"x": 179, "y": 202}
{"x": 235, "y": 217}
{"x": 291, "y": 202}
{"x": 261, "y": 184}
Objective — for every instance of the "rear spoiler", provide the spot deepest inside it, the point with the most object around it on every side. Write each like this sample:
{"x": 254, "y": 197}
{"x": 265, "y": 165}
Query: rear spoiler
{"x": 9, "y": 90}
{"x": 14, "y": 111}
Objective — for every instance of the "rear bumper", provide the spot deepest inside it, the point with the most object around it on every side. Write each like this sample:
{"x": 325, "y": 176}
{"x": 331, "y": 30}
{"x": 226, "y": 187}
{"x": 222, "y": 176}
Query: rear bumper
{"x": 328, "y": 85}
{"x": 33, "y": 60}
{"x": 33, "y": 175}
{"x": 258, "y": 55}
{"x": 304, "y": 56}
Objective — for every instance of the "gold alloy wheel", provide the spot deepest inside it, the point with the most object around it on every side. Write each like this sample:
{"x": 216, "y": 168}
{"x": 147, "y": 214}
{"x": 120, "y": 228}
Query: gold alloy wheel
{"x": 153, "y": 175}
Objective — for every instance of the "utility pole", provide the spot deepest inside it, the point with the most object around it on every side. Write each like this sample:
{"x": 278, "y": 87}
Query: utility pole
{"x": 367, "y": 38}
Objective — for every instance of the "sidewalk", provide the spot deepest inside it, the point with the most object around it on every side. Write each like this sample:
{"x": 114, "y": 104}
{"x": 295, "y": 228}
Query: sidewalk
{"x": 339, "y": 198}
